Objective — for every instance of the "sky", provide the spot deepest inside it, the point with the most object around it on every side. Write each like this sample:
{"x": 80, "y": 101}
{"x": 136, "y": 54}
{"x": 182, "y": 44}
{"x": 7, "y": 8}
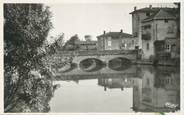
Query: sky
{"x": 93, "y": 18}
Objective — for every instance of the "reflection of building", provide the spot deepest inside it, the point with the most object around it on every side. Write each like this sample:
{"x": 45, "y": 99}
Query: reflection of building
{"x": 156, "y": 29}
{"x": 121, "y": 82}
{"x": 116, "y": 41}
{"x": 157, "y": 91}
{"x": 152, "y": 92}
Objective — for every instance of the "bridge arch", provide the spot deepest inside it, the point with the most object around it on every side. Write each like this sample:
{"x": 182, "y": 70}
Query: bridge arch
{"x": 91, "y": 64}
{"x": 119, "y": 63}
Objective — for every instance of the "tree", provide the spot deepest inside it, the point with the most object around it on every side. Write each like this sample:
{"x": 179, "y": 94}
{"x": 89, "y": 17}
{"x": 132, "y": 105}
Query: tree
{"x": 58, "y": 43}
{"x": 71, "y": 44}
{"x": 26, "y": 27}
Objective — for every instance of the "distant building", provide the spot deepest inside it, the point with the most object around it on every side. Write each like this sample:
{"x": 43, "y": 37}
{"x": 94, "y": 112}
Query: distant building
{"x": 88, "y": 44}
{"x": 81, "y": 45}
{"x": 116, "y": 41}
{"x": 156, "y": 29}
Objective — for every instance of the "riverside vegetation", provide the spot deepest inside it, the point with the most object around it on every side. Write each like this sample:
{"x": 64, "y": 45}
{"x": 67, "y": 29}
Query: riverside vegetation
{"x": 28, "y": 85}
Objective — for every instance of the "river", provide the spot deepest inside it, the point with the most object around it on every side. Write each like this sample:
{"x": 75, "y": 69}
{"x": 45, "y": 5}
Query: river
{"x": 139, "y": 88}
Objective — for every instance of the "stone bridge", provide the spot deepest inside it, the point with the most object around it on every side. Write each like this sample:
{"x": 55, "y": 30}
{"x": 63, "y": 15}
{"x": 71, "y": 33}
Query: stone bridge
{"x": 104, "y": 56}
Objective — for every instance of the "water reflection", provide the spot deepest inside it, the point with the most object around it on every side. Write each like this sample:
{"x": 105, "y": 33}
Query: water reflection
{"x": 152, "y": 89}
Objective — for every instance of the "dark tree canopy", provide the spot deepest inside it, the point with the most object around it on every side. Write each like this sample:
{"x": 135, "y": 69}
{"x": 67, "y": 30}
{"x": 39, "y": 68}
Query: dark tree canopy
{"x": 26, "y": 27}
{"x": 71, "y": 44}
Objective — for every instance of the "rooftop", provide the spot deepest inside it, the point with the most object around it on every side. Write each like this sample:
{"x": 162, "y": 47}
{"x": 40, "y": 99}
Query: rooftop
{"x": 161, "y": 14}
{"x": 153, "y": 10}
{"x": 116, "y": 35}
{"x": 144, "y": 10}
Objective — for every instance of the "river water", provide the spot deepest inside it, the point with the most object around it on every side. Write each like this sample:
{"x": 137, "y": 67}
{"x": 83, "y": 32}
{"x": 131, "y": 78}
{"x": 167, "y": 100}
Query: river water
{"x": 135, "y": 89}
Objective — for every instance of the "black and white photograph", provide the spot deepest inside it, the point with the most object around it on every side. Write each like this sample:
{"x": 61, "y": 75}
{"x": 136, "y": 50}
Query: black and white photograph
{"x": 97, "y": 57}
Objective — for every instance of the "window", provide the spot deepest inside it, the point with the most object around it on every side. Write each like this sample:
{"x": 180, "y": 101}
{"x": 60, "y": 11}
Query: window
{"x": 167, "y": 47}
{"x": 147, "y": 81}
{"x": 146, "y": 27}
{"x": 109, "y": 43}
{"x": 132, "y": 41}
{"x": 125, "y": 45}
{"x": 166, "y": 21}
{"x": 135, "y": 34}
{"x": 147, "y": 14}
{"x": 173, "y": 47}
{"x": 170, "y": 29}
{"x": 147, "y": 46}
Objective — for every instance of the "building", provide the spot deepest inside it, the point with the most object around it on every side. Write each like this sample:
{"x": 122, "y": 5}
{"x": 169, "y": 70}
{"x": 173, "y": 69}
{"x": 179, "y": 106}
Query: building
{"x": 81, "y": 45}
{"x": 116, "y": 41}
{"x": 137, "y": 17}
{"x": 156, "y": 29}
{"x": 88, "y": 44}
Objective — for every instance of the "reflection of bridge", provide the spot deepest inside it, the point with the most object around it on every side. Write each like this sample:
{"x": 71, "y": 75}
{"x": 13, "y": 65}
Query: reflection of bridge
{"x": 104, "y": 56}
{"x": 133, "y": 71}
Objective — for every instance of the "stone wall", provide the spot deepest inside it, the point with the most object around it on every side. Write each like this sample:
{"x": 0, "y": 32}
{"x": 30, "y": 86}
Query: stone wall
{"x": 104, "y": 56}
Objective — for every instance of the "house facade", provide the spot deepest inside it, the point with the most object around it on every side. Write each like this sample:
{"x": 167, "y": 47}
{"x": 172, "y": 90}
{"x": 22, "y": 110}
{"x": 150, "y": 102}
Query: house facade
{"x": 137, "y": 17}
{"x": 116, "y": 41}
{"x": 156, "y": 29}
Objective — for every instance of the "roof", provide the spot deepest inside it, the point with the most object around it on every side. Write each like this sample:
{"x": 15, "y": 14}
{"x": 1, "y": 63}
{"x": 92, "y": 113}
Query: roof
{"x": 144, "y": 10}
{"x": 154, "y": 9}
{"x": 160, "y": 14}
{"x": 116, "y": 35}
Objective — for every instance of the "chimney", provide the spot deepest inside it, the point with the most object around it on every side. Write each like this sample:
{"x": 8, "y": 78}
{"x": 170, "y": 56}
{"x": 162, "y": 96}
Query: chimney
{"x": 121, "y": 31}
{"x": 135, "y": 8}
{"x": 104, "y": 32}
{"x": 150, "y": 6}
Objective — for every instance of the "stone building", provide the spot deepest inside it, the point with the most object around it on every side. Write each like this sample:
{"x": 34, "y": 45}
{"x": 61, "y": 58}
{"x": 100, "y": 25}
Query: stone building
{"x": 88, "y": 44}
{"x": 77, "y": 44}
{"x": 116, "y": 41}
{"x": 156, "y": 29}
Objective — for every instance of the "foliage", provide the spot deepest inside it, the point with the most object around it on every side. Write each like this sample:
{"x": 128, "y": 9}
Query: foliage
{"x": 57, "y": 44}
{"x": 26, "y": 27}
{"x": 71, "y": 43}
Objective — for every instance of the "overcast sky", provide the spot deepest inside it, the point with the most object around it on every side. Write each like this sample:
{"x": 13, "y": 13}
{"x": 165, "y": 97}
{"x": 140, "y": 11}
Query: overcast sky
{"x": 92, "y": 19}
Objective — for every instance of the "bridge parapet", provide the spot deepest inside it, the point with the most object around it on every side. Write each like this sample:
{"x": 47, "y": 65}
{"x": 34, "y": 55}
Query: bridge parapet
{"x": 104, "y": 56}
{"x": 95, "y": 52}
